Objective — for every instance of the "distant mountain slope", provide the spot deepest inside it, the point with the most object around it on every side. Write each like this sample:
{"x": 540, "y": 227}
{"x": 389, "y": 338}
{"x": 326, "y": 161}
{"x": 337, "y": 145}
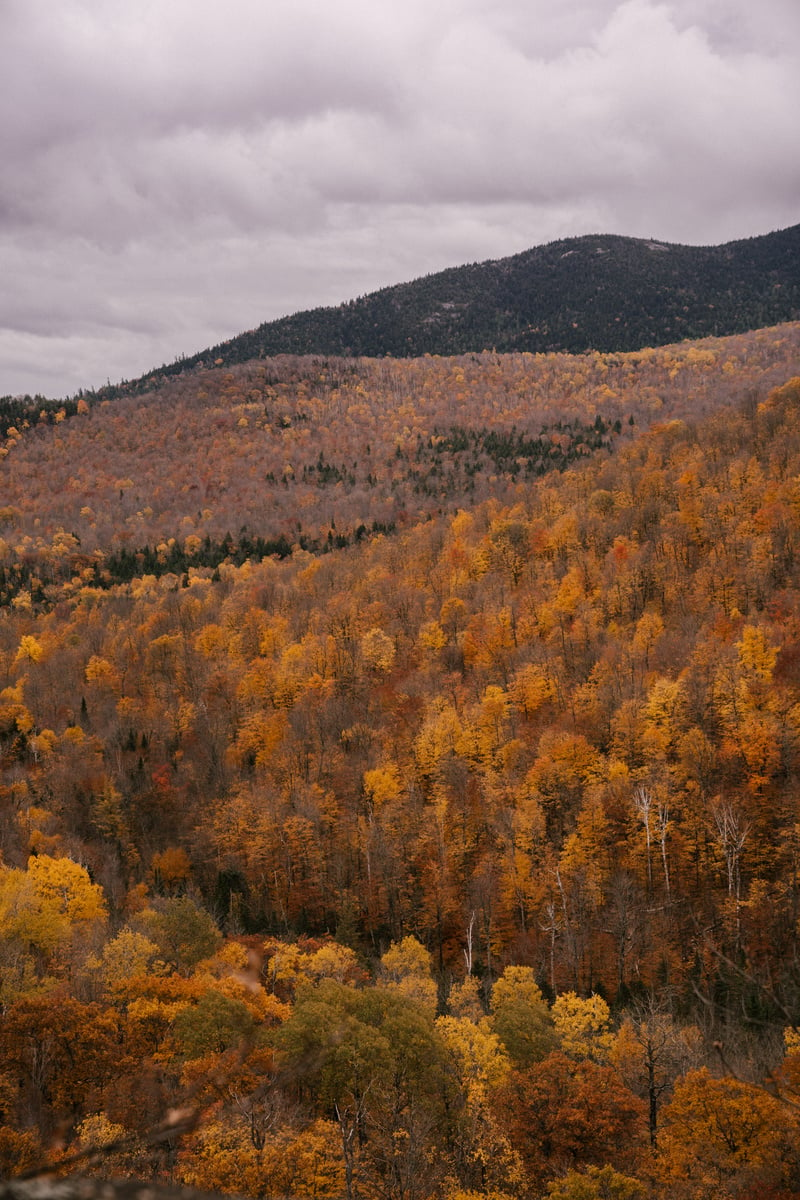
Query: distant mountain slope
{"x": 597, "y": 292}
{"x": 316, "y": 451}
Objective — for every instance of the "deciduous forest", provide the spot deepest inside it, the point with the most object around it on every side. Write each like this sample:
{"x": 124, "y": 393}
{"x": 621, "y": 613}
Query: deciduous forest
{"x": 399, "y": 768}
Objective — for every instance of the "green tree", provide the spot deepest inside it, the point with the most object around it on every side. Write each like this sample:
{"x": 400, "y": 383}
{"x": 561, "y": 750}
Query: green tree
{"x": 373, "y": 1058}
{"x": 596, "y": 1183}
{"x": 183, "y": 931}
{"x": 215, "y": 1024}
{"x": 520, "y": 1016}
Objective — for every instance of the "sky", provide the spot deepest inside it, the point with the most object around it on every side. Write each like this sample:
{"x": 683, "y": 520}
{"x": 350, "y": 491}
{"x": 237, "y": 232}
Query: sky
{"x": 177, "y": 171}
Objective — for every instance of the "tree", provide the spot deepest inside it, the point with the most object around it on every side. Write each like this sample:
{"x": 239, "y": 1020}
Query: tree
{"x": 126, "y": 955}
{"x": 215, "y": 1024}
{"x": 49, "y": 905}
{"x": 484, "y": 1155}
{"x": 373, "y": 1058}
{"x": 63, "y": 1053}
{"x": 111, "y": 1149}
{"x": 406, "y": 968}
{"x": 650, "y": 1051}
{"x": 719, "y": 1134}
{"x": 596, "y": 1183}
{"x": 520, "y": 1016}
{"x": 583, "y": 1027}
{"x": 183, "y": 931}
{"x": 19, "y": 1152}
{"x": 560, "y": 1114}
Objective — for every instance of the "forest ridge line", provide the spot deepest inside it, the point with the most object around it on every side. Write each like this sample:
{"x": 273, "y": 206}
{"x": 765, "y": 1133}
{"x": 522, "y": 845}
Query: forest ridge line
{"x": 600, "y": 292}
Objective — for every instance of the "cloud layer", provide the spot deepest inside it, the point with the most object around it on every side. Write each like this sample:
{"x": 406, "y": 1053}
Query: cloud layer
{"x": 176, "y": 173}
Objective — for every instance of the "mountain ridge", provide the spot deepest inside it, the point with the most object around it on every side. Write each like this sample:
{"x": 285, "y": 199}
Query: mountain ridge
{"x": 603, "y": 292}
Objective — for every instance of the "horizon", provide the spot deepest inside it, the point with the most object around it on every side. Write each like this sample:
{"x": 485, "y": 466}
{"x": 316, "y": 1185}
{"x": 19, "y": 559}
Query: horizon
{"x": 172, "y": 179}
{"x": 336, "y": 304}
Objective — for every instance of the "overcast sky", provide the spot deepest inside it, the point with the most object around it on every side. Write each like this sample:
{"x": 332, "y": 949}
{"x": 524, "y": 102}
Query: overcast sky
{"x": 177, "y": 171}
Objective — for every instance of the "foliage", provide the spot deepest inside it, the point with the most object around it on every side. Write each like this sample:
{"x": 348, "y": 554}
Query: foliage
{"x": 596, "y": 1183}
{"x": 719, "y": 1130}
{"x": 583, "y": 1027}
{"x": 521, "y": 1018}
{"x": 561, "y": 1114}
{"x": 49, "y": 903}
{"x": 536, "y": 751}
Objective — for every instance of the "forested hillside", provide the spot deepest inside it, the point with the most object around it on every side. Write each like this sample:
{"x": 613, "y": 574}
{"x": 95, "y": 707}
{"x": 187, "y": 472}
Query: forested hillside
{"x": 320, "y": 452}
{"x": 598, "y": 292}
{"x": 449, "y": 846}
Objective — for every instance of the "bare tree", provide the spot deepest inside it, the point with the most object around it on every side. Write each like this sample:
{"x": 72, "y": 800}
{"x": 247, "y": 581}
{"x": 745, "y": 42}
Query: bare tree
{"x": 732, "y": 832}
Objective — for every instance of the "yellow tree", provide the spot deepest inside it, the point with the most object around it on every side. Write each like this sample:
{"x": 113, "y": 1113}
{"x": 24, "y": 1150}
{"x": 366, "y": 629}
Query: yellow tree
{"x": 49, "y": 905}
{"x": 406, "y": 968}
{"x": 583, "y": 1027}
{"x": 484, "y": 1155}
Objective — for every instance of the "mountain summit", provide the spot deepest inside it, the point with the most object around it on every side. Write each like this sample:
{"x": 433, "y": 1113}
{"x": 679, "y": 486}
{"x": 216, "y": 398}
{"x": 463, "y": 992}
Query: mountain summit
{"x": 599, "y": 292}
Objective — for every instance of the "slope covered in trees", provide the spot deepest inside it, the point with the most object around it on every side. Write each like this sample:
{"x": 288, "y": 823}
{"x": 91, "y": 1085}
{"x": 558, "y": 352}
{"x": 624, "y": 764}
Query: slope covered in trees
{"x": 597, "y": 292}
{"x": 457, "y": 861}
{"x": 320, "y": 453}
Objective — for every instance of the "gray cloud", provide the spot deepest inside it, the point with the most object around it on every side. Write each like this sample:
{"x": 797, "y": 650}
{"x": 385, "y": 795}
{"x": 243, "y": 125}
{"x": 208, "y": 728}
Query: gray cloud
{"x": 176, "y": 173}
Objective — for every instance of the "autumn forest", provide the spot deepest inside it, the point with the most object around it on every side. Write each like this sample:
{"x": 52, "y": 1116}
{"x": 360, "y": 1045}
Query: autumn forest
{"x": 399, "y": 776}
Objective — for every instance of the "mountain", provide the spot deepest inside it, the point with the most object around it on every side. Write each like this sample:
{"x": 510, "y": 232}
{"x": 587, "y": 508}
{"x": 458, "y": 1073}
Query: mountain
{"x": 599, "y": 292}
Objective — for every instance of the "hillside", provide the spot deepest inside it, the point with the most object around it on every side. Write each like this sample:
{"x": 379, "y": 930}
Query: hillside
{"x": 317, "y": 453}
{"x": 598, "y": 292}
{"x": 445, "y": 849}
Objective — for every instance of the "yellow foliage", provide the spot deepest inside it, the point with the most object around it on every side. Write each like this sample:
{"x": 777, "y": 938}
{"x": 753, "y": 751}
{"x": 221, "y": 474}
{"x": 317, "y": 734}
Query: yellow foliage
{"x": 383, "y": 784}
{"x": 101, "y": 671}
{"x": 289, "y": 965}
{"x": 126, "y": 955}
{"x": 464, "y": 999}
{"x": 756, "y": 655}
{"x": 480, "y": 1061}
{"x": 377, "y": 651}
{"x": 306, "y": 1164}
{"x": 45, "y": 905}
{"x": 585, "y": 855}
{"x": 158, "y": 1015}
{"x": 432, "y": 638}
{"x": 791, "y": 1040}
{"x": 462, "y": 1194}
{"x": 97, "y": 1132}
{"x": 713, "y": 1129}
{"x": 441, "y": 734}
{"x": 212, "y": 641}
{"x": 260, "y": 735}
{"x": 516, "y": 983}
{"x": 531, "y": 688}
{"x": 662, "y": 712}
{"x": 30, "y": 649}
{"x": 406, "y": 968}
{"x": 597, "y": 1183}
{"x": 583, "y": 1027}
{"x": 333, "y": 961}
{"x": 19, "y": 1152}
